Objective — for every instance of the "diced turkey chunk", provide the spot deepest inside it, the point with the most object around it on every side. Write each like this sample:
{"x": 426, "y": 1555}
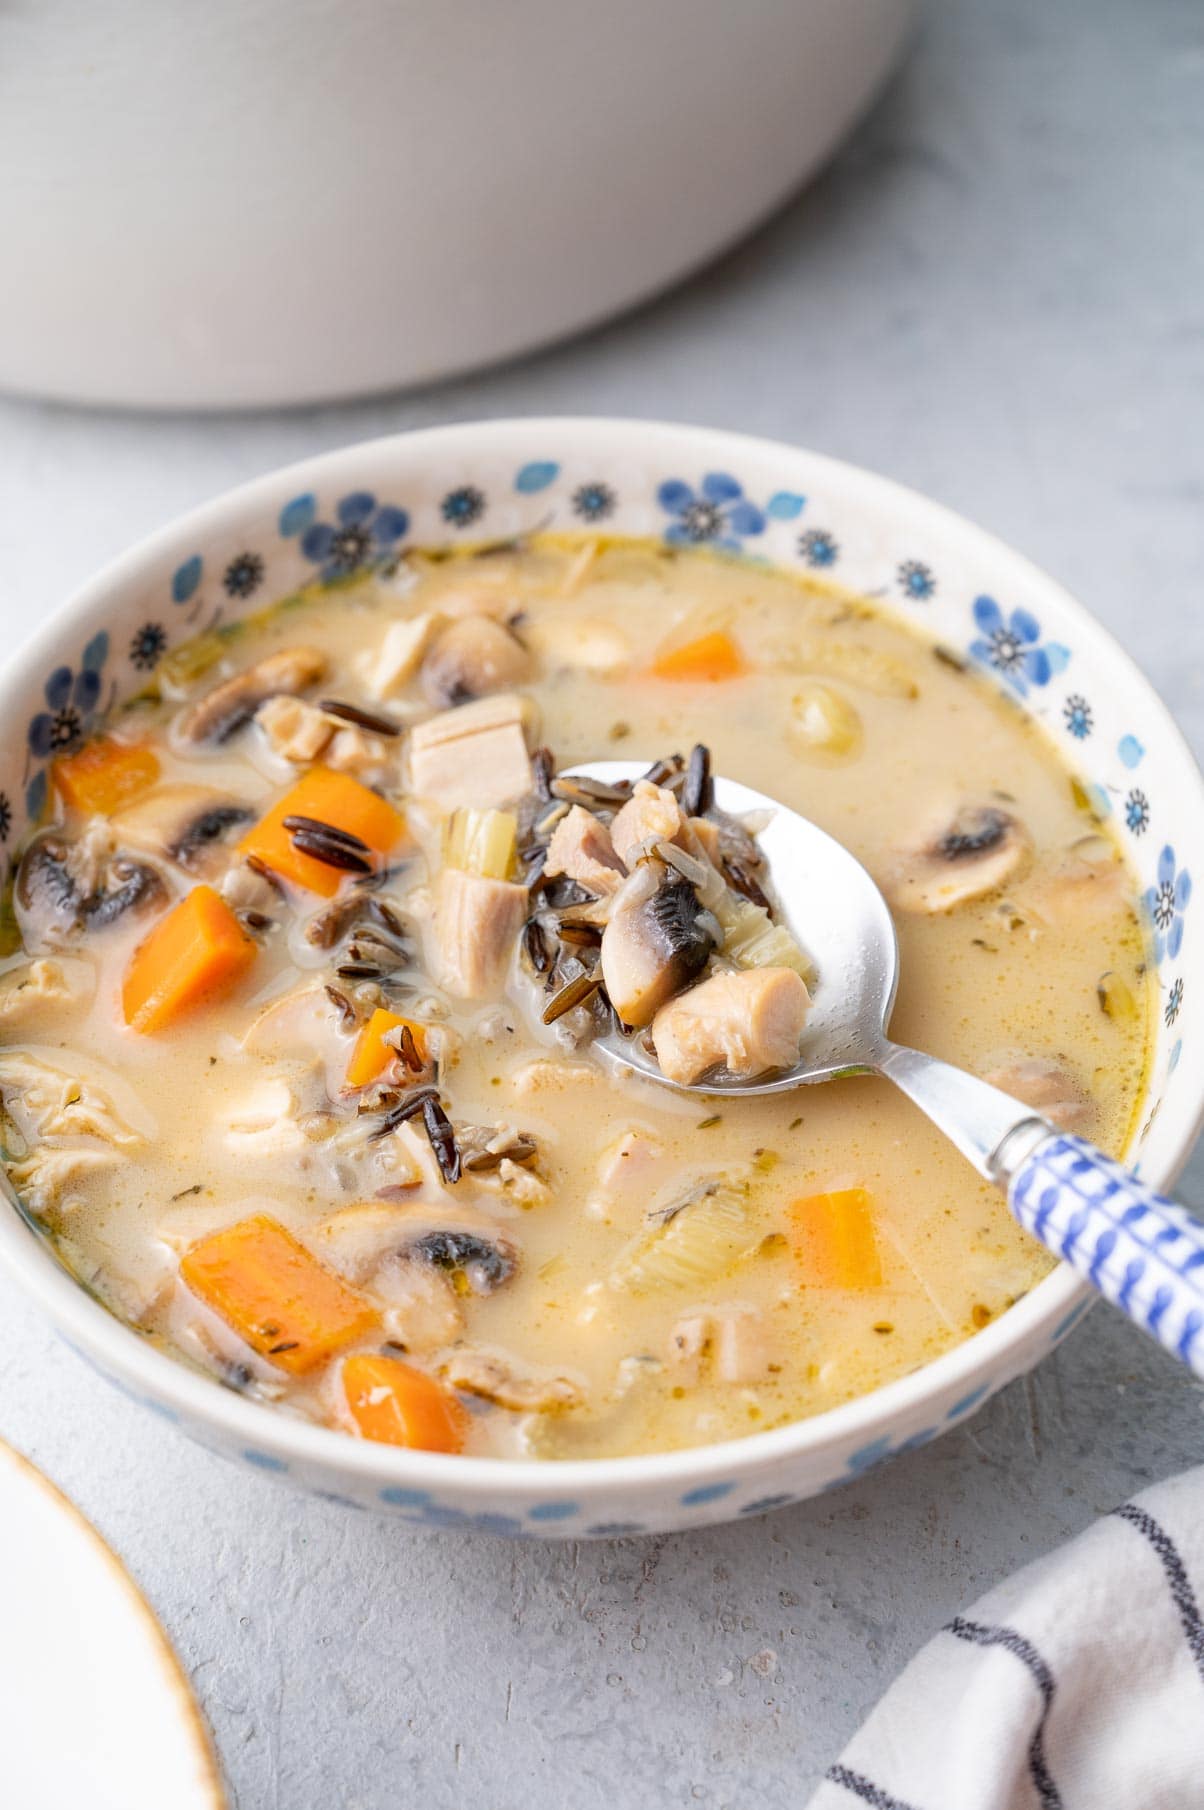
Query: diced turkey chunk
{"x": 41, "y": 987}
{"x": 474, "y": 755}
{"x": 651, "y": 813}
{"x": 389, "y": 668}
{"x": 1047, "y": 1088}
{"x": 749, "y": 1021}
{"x": 732, "y": 1343}
{"x": 263, "y": 1122}
{"x": 580, "y": 644}
{"x": 632, "y": 1158}
{"x": 295, "y": 730}
{"x": 581, "y": 848}
{"x": 503, "y": 1380}
{"x": 472, "y": 657}
{"x": 975, "y": 852}
{"x": 46, "y": 1102}
{"x": 52, "y": 1178}
{"x": 476, "y": 923}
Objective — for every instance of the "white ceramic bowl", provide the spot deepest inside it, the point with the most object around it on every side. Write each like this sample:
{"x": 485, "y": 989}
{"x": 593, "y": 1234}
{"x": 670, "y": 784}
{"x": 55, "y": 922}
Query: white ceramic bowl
{"x": 948, "y": 579}
{"x": 275, "y": 201}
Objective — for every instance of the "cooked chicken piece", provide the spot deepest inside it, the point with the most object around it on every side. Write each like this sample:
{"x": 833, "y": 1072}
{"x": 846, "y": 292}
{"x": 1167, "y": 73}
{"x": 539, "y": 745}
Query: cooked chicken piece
{"x": 389, "y": 668}
{"x": 689, "y": 1346}
{"x": 741, "y": 1347}
{"x": 40, "y": 987}
{"x": 424, "y": 1311}
{"x": 977, "y": 852}
{"x": 749, "y": 1022}
{"x": 476, "y": 924}
{"x": 657, "y": 941}
{"x": 295, "y": 730}
{"x": 48, "y": 1178}
{"x": 475, "y": 755}
{"x": 515, "y": 1183}
{"x": 731, "y": 1342}
{"x": 186, "y": 824}
{"x": 297, "y": 1023}
{"x": 579, "y": 644}
{"x": 501, "y": 1379}
{"x": 631, "y": 1159}
{"x": 1047, "y": 1088}
{"x": 541, "y": 1076}
{"x": 581, "y": 848}
{"x": 651, "y": 814}
{"x": 223, "y": 710}
{"x": 47, "y": 1102}
{"x": 263, "y": 1122}
{"x": 358, "y": 751}
{"x": 472, "y": 657}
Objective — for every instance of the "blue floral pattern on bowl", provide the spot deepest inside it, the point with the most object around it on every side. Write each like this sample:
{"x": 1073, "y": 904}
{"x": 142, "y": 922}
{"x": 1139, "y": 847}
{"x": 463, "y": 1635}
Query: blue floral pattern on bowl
{"x": 717, "y": 514}
{"x": 363, "y": 533}
{"x": 1166, "y": 901}
{"x": 1011, "y": 644}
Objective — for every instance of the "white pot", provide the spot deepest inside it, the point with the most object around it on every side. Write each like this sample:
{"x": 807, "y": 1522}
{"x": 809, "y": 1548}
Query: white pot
{"x": 249, "y": 202}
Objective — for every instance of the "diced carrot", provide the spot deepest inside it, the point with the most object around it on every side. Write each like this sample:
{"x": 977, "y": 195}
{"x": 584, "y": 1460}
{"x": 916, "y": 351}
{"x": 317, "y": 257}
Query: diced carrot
{"x": 105, "y": 775}
{"x": 196, "y": 952}
{"x": 372, "y": 1054}
{"x": 277, "y": 1296}
{"x": 328, "y": 798}
{"x": 835, "y": 1241}
{"x": 398, "y": 1405}
{"x": 705, "y": 661}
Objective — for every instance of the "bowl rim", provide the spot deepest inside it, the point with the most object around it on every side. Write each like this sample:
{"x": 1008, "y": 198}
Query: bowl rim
{"x": 1058, "y": 1297}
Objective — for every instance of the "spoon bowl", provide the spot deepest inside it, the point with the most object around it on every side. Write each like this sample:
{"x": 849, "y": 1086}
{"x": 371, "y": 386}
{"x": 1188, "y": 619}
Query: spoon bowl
{"x": 835, "y": 913}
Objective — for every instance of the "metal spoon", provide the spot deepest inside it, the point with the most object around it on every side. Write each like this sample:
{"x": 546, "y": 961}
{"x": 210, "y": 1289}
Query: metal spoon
{"x": 1141, "y": 1251}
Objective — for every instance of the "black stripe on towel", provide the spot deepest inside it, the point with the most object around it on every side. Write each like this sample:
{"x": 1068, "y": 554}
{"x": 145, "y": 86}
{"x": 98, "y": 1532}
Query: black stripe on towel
{"x": 1178, "y": 1582}
{"x": 982, "y": 1635}
{"x": 864, "y": 1788}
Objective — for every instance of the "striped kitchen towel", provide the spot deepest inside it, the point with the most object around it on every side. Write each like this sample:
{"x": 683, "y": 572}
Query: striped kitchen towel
{"x": 1076, "y": 1685}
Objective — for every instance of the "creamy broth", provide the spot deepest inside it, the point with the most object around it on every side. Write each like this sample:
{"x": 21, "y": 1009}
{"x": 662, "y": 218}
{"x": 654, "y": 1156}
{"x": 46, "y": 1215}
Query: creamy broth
{"x": 559, "y": 1296}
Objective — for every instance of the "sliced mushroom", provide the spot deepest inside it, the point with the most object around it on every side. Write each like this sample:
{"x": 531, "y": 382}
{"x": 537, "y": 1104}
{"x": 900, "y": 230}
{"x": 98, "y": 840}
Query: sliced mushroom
{"x": 500, "y": 1379}
{"x": 67, "y": 886}
{"x": 483, "y": 1263}
{"x": 979, "y": 850}
{"x": 483, "y": 1147}
{"x": 232, "y": 703}
{"x": 1047, "y": 1087}
{"x": 184, "y": 823}
{"x": 658, "y": 940}
{"x": 472, "y": 657}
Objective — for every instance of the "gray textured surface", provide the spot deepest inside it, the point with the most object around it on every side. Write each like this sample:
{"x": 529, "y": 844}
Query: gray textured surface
{"x": 996, "y": 294}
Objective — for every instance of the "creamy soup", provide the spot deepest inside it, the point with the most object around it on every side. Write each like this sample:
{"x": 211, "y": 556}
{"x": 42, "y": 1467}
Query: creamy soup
{"x": 299, "y": 1069}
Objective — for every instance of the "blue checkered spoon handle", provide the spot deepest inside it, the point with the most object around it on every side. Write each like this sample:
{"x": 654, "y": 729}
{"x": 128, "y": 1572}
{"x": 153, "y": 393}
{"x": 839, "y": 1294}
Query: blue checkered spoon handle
{"x": 1141, "y": 1251}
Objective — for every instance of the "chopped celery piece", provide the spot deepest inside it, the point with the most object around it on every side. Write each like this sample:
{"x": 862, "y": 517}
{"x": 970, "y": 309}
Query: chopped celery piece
{"x": 481, "y": 842}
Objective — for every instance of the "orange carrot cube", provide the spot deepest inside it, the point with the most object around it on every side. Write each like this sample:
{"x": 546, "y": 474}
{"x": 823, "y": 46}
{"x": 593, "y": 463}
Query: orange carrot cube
{"x": 195, "y": 953}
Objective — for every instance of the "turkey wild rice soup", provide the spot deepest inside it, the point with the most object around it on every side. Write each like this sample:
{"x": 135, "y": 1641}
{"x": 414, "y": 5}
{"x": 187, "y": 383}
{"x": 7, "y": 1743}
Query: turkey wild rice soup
{"x": 297, "y": 1066}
